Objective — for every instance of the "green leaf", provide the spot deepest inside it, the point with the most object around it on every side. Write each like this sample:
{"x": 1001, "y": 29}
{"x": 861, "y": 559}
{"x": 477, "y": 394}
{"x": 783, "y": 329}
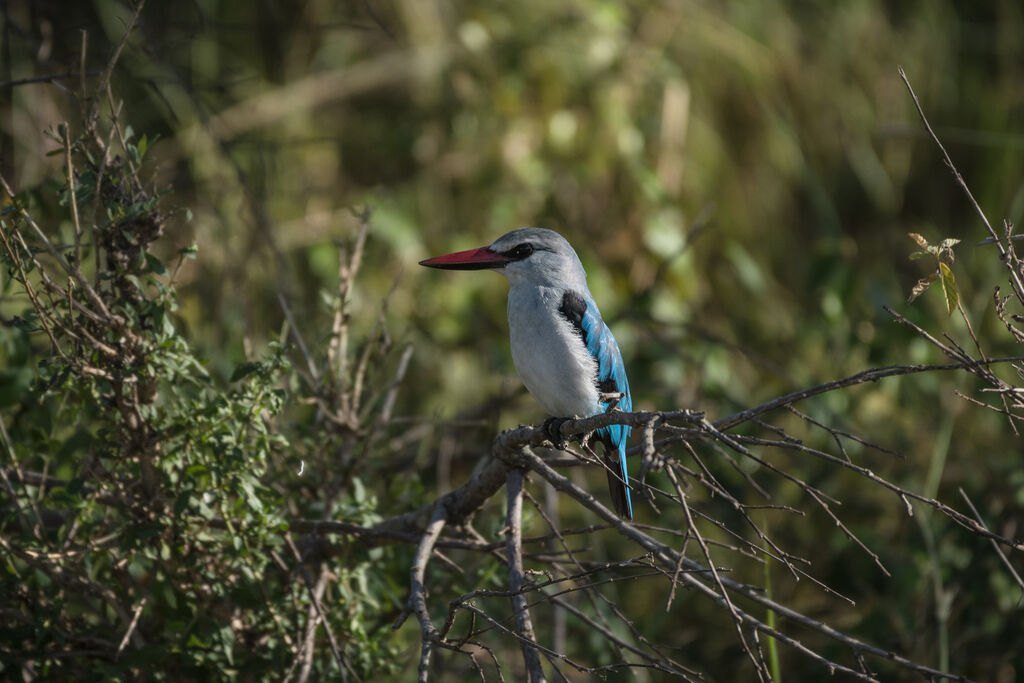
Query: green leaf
{"x": 168, "y": 326}
{"x": 251, "y": 497}
{"x": 138, "y": 208}
{"x": 949, "y": 288}
{"x": 167, "y": 593}
{"x": 134, "y": 279}
{"x": 358, "y": 491}
{"x": 244, "y": 370}
{"x": 188, "y": 252}
{"x": 141, "y": 147}
{"x": 227, "y": 641}
{"x": 153, "y": 265}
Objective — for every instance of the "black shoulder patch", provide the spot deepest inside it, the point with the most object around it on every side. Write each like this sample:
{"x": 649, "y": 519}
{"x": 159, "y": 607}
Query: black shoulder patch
{"x": 572, "y": 309}
{"x": 608, "y": 385}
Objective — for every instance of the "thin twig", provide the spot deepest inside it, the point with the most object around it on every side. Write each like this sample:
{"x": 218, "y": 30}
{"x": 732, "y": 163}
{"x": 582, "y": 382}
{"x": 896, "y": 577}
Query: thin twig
{"x": 1015, "y": 280}
{"x": 668, "y": 558}
{"x": 108, "y": 70}
{"x": 999, "y": 551}
{"x": 131, "y": 627}
{"x": 46, "y": 79}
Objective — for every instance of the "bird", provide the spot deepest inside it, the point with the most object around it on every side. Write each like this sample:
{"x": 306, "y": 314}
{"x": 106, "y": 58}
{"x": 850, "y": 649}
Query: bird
{"x": 561, "y": 348}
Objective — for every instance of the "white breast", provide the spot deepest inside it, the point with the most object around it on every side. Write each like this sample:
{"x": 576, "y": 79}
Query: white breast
{"x": 549, "y": 355}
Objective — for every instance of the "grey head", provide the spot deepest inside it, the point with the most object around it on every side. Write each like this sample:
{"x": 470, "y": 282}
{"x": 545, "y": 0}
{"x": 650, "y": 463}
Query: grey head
{"x": 539, "y": 257}
{"x": 527, "y": 256}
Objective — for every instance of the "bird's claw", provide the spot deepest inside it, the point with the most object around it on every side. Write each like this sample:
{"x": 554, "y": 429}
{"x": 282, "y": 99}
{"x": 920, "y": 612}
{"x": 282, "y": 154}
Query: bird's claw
{"x": 553, "y": 428}
{"x": 612, "y": 398}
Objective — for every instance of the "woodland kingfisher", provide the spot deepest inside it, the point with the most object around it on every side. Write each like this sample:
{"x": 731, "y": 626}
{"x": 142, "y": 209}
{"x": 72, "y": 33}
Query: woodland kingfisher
{"x": 561, "y": 348}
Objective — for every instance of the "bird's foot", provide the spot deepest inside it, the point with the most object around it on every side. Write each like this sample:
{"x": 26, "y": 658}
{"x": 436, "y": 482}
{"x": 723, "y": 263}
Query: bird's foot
{"x": 553, "y": 428}
{"x": 612, "y": 398}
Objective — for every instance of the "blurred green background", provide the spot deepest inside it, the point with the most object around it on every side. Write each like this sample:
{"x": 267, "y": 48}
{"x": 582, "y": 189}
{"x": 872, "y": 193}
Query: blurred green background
{"x": 738, "y": 178}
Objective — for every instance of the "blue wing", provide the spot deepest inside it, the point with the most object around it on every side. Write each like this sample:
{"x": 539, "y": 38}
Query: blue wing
{"x": 611, "y": 378}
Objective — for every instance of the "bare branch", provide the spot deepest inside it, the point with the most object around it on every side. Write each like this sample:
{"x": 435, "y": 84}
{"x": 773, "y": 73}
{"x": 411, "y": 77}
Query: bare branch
{"x": 418, "y": 592}
{"x": 514, "y": 488}
{"x": 668, "y": 558}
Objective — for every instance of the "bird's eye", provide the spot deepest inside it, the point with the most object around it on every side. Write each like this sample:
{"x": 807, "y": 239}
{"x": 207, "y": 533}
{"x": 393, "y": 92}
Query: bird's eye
{"x": 520, "y": 252}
